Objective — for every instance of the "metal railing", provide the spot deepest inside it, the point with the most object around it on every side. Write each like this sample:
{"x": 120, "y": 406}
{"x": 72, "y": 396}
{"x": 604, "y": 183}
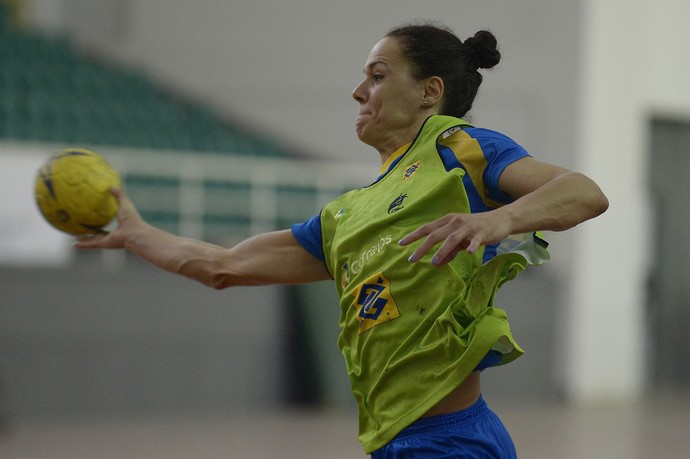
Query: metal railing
{"x": 223, "y": 198}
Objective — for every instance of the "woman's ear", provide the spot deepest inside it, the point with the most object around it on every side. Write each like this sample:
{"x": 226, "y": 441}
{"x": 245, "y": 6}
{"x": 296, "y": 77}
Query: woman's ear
{"x": 433, "y": 91}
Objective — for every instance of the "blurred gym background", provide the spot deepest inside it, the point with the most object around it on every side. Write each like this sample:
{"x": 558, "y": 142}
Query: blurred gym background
{"x": 230, "y": 118}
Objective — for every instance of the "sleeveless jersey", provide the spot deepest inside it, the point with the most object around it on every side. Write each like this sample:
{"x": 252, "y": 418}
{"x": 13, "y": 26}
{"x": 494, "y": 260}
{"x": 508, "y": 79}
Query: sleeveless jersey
{"x": 411, "y": 332}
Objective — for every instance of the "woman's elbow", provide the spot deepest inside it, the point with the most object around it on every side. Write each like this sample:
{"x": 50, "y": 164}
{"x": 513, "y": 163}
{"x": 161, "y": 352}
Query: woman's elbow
{"x": 600, "y": 203}
{"x": 221, "y": 281}
{"x": 593, "y": 199}
{"x": 209, "y": 274}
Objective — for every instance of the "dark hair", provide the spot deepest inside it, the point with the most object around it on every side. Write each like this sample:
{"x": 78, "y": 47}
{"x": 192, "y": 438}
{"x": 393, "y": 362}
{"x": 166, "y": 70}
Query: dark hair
{"x": 434, "y": 50}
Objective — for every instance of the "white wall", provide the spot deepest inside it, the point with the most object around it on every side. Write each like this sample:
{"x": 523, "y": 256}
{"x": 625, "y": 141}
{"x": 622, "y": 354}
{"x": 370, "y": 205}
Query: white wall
{"x": 635, "y": 66}
{"x": 576, "y": 86}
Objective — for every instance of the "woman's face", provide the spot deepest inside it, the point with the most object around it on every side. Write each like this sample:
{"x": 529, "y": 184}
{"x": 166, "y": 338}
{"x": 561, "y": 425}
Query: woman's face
{"x": 390, "y": 99}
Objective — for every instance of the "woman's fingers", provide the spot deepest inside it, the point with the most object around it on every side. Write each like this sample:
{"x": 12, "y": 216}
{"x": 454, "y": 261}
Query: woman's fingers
{"x": 449, "y": 229}
{"x": 455, "y": 232}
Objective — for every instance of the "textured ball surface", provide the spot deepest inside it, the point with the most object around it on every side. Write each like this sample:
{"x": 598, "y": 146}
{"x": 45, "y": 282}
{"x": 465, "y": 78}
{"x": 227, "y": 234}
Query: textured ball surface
{"x": 72, "y": 191}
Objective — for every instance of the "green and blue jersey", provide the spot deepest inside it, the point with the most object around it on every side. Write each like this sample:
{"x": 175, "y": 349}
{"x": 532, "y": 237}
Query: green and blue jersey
{"x": 412, "y": 332}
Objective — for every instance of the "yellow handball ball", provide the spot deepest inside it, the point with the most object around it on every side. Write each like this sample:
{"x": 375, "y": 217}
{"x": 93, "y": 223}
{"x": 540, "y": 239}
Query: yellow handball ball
{"x": 72, "y": 190}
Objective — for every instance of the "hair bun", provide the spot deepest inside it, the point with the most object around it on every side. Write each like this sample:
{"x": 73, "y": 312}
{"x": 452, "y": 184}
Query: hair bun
{"x": 482, "y": 50}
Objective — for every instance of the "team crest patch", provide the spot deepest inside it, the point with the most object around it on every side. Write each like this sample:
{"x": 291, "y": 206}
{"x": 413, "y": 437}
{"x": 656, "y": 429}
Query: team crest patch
{"x": 410, "y": 171}
{"x": 374, "y": 302}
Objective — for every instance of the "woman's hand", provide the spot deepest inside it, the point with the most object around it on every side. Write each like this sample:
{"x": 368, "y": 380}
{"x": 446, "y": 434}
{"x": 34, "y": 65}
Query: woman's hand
{"x": 458, "y": 232}
{"x": 128, "y": 218}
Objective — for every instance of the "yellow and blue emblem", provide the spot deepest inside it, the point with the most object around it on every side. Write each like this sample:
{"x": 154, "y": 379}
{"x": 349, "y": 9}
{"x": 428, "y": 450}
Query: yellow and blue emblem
{"x": 374, "y": 302}
{"x": 410, "y": 171}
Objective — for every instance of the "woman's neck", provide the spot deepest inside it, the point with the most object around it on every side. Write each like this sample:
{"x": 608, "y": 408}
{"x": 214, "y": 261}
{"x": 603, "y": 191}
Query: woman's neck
{"x": 404, "y": 136}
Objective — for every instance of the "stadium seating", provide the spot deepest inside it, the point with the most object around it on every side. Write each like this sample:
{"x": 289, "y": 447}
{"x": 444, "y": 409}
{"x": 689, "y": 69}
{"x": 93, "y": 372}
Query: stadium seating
{"x": 51, "y": 92}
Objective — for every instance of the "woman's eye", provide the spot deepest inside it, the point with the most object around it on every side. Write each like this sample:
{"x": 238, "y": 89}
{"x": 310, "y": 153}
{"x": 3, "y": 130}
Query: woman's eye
{"x": 377, "y": 77}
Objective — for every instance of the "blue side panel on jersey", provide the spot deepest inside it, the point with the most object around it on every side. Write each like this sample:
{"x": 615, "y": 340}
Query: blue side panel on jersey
{"x": 450, "y": 161}
{"x": 491, "y": 359}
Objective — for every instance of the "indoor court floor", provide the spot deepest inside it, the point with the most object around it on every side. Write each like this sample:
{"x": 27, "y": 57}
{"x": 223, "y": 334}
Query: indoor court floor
{"x": 657, "y": 428}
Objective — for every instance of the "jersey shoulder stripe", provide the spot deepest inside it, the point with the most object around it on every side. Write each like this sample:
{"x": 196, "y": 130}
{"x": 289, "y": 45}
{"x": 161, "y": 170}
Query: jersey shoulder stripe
{"x": 483, "y": 154}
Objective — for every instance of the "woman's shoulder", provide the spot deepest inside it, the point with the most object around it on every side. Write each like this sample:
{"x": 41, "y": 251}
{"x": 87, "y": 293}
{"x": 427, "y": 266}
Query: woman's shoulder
{"x": 496, "y": 147}
{"x": 486, "y": 134}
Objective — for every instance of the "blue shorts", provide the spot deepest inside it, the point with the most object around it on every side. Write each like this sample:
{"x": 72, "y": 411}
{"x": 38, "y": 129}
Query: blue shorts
{"x": 472, "y": 433}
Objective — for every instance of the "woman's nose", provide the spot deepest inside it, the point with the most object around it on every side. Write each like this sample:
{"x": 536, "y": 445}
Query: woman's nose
{"x": 358, "y": 93}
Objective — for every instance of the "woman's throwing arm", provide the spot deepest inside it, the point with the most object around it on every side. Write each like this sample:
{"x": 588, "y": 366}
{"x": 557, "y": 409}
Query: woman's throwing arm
{"x": 269, "y": 258}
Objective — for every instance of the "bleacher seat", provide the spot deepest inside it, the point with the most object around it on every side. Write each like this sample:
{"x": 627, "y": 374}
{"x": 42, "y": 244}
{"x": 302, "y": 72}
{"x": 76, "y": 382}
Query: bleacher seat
{"x": 50, "y": 92}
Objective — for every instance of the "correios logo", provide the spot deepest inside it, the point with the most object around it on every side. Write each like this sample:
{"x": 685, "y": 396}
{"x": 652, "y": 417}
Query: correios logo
{"x": 355, "y": 266}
